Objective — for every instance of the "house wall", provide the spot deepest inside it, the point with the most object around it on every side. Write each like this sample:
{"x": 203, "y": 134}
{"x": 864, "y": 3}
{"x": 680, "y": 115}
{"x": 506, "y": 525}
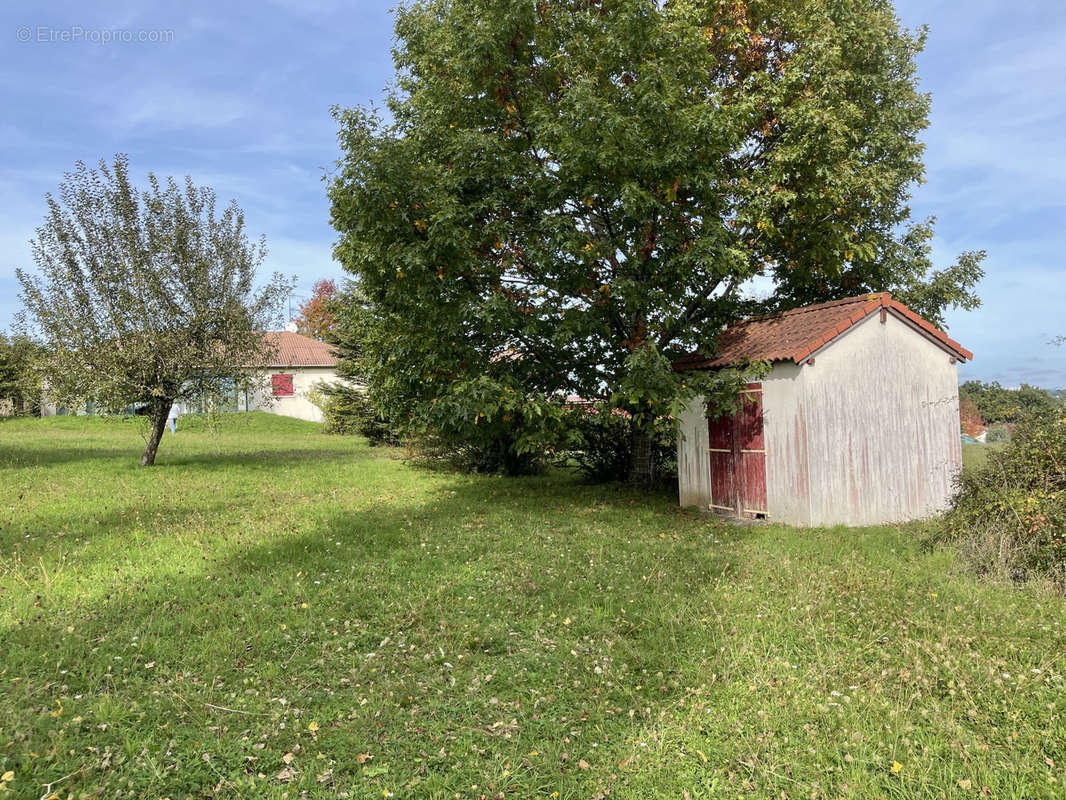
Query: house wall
{"x": 881, "y": 410}
{"x": 303, "y": 380}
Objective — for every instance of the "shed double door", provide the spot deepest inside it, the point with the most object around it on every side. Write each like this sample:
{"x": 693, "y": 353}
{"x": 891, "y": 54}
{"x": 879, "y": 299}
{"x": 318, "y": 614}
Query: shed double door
{"x": 737, "y": 450}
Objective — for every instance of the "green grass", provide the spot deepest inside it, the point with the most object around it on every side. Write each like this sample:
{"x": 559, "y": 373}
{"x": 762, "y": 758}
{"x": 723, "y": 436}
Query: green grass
{"x": 280, "y": 613}
{"x": 975, "y": 456}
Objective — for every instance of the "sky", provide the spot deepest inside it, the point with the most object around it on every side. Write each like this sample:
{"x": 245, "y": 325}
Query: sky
{"x": 238, "y": 96}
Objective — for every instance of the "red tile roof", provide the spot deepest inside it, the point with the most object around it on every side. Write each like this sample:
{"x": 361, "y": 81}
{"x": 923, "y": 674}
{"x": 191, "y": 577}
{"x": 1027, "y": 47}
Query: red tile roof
{"x": 297, "y": 350}
{"x": 794, "y": 335}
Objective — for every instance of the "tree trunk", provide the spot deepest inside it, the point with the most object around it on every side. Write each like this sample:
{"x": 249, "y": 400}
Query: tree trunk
{"x": 158, "y": 421}
{"x": 641, "y": 458}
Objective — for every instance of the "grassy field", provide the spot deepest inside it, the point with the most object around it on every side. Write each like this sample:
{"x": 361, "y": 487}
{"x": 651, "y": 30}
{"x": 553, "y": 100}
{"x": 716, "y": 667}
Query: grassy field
{"x": 278, "y": 613}
{"x": 975, "y": 456}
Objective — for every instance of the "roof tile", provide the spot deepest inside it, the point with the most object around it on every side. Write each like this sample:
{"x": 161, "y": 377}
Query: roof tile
{"x": 794, "y": 335}
{"x": 297, "y": 350}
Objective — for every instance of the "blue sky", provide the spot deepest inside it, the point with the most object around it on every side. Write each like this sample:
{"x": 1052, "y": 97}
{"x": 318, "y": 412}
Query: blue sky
{"x": 239, "y": 98}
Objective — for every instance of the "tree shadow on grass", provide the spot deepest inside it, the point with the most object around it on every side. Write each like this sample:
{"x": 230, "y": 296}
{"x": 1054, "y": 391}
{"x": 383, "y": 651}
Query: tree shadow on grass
{"x": 20, "y": 456}
{"x": 386, "y": 625}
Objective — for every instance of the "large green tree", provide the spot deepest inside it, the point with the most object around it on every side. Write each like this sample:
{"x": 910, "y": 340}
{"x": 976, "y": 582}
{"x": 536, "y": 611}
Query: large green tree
{"x": 594, "y": 186}
{"x": 144, "y": 295}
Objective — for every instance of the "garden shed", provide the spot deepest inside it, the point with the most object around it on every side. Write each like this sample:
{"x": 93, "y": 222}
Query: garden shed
{"x": 857, "y": 422}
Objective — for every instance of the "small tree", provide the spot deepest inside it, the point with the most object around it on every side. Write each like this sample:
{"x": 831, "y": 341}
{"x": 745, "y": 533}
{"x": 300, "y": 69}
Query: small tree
{"x": 144, "y": 294}
{"x": 317, "y": 315}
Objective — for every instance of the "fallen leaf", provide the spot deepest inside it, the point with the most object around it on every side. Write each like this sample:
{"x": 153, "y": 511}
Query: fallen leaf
{"x": 287, "y": 758}
{"x": 583, "y": 764}
{"x": 286, "y": 774}
{"x": 362, "y": 758}
{"x": 965, "y": 784}
{"x": 325, "y": 776}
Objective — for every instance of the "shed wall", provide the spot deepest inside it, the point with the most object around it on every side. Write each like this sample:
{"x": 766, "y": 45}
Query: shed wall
{"x": 693, "y": 464}
{"x": 882, "y": 418}
{"x": 788, "y": 492}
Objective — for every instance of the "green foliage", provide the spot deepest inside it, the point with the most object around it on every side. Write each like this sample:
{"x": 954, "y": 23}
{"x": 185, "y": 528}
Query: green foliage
{"x": 998, "y": 404}
{"x": 19, "y": 383}
{"x": 997, "y": 434}
{"x": 143, "y": 294}
{"x": 1009, "y": 517}
{"x": 600, "y": 443}
{"x": 593, "y": 186}
{"x": 348, "y": 410}
{"x": 152, "y": 624}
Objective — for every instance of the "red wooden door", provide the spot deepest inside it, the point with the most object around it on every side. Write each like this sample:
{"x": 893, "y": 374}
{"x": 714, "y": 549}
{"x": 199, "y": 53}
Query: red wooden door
{"x": 720, "y": 450}
{"x": 737, "y": 451}
{"x": 751, "y": 454}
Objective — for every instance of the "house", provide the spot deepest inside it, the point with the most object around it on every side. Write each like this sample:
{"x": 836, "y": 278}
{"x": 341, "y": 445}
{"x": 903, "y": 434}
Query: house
{"x": 298, "y": 365}
{"x": 857, "y": 422}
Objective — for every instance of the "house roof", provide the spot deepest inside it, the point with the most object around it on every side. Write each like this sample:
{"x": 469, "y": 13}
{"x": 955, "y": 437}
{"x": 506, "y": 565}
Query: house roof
{"x": 794, "y": 335}
{"x": 297, "y": 350}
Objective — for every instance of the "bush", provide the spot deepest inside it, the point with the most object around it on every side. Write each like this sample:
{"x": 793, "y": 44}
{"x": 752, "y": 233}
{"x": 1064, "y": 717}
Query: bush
{"x": 601, "y": 443}
{"x": 496, "y": 455}
{"x": 348, "y": 410}
{"x": 997, "y": 433}
{"x": 1009, "y": 517}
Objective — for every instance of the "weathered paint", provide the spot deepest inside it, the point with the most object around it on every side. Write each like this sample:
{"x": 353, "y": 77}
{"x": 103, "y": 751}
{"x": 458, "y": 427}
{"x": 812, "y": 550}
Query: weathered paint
{"x": 882, "y": 410}
{"x": 867, "y": 434}
{"x": 693, "y": 465}
{"x": 751, "y": 454}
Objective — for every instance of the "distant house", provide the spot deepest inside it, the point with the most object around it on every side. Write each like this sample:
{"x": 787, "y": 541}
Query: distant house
{"x": 299, "y": 364}
{"x": 857, "y": 422}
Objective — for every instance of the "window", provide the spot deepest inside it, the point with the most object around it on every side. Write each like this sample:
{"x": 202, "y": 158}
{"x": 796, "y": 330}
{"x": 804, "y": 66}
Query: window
{"x": 282, "y": 385}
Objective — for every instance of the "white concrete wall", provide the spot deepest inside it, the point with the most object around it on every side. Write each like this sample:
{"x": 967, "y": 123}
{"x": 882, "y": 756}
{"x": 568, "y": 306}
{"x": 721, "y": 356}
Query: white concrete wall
{"x": 693, "y": 463}
{"x": 881, "y": 407}
{"x": 303, "y": 380}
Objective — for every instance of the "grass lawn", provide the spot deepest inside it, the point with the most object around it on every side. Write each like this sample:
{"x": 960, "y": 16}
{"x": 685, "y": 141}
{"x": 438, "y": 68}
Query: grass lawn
{"x": 279, "y": 613}
{"x": 975, "y": 456}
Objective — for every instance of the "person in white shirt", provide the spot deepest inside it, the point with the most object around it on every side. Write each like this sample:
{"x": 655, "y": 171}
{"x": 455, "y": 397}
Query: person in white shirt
{"x": 172, "y": 418}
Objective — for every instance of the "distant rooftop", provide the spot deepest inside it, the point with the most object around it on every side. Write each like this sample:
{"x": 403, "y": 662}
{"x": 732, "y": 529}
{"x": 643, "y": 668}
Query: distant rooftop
{"x": 297, "y": 350}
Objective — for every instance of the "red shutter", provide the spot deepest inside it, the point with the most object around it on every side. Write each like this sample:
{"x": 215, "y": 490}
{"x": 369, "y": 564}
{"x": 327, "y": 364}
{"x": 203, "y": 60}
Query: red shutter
{"x": 282, "y": 385}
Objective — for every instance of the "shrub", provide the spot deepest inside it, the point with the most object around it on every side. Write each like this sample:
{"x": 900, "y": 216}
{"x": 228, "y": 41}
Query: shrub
{"x": 600, "y": 443}
{"x": 348, "y": 410}
{"x": 1009, "y": 517}
{"x": 498, "y": 454}
{"x": 997, "y": 433}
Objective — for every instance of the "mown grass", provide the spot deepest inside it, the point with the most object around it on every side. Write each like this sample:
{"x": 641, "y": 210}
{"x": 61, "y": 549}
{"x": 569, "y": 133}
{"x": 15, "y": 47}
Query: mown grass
{"x": 280, "y": 613}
